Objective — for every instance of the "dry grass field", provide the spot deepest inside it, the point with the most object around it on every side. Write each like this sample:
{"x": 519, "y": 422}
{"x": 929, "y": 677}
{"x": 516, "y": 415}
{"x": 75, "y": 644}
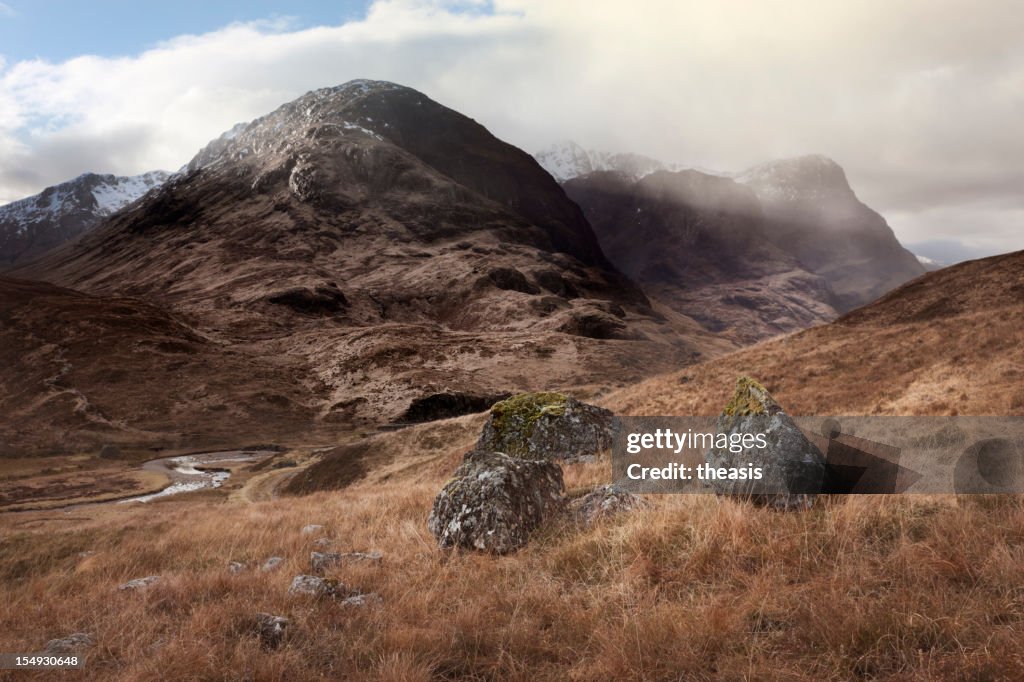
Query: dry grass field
{"x": 690, "y": 587}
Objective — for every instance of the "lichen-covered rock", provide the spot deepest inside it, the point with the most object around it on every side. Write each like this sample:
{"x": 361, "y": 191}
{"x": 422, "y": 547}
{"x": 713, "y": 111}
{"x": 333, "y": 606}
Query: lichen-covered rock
{"x": 270, "y": 629}
{"x": 494, "y": 502}
{"x": 314, "y": 586}
{"x": 68, "y": 645}
{"x": 604, "y": 501}
{"x": 547, "y": 426}
{"x": 793, "y": 469}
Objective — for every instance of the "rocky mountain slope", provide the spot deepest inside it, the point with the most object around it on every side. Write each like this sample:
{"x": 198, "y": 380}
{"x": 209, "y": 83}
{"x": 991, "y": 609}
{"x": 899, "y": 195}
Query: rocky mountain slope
{"x": 701, "y": 244}
{"x": 30, "y": 227}
{"x": 568, "y": 160}
{"x": 816, "y": 216}
{"x": 386, "y": 248}
{"x": 947, "y": 343}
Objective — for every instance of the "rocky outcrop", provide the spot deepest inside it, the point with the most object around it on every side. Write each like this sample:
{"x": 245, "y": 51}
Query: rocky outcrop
{"x": 793, "y": 469}
{"x": 495, "y": 501}
{"x": 549, "y": 426}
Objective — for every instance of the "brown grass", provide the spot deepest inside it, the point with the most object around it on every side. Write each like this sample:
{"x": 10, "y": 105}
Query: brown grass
{"x": 691, "y": 587}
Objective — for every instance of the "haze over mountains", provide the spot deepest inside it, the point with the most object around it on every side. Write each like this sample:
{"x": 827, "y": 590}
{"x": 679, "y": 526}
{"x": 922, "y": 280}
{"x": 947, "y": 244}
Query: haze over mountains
{"x": 363, "y": 248}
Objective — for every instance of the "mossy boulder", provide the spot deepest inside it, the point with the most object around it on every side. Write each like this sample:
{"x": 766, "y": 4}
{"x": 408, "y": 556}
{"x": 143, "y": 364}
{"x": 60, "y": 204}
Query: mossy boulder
{"x": 494, "y": 502}
{"x": 549, "y": 425}
{"x": 793, "y": 469}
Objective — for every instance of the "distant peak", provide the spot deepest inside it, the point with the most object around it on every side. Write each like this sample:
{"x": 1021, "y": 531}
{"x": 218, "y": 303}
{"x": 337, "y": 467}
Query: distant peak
{"x": 811, "y": 172}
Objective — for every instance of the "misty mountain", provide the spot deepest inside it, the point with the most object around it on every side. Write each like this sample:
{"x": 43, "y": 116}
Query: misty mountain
{"x": 31, "y": 226}
{"x": 567, "y": 160}
{"x": 702, "y": 244}
{"x": 815, "y": 215}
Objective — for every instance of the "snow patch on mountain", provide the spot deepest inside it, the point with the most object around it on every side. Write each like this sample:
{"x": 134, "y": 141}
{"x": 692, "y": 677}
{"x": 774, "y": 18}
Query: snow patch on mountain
{"x": 568, "y": 160}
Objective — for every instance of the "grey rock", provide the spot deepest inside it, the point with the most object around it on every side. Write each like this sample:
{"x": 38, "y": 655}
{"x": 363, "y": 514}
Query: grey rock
{"x": 271, "y": 629}
{"x": 604, "y": 501}
{"x": 140, "y": 583}
{"x": 793, "y": 468}
{"x": 323, "y": 542}
{"x": 318, "y": 561}
{"x": 311, "y": 528}
{"x": 69, "y": 645}
{"x": 236, "y": 567}
{"x": 368, "y": 599}
{"x": 547, "y": 426}
{"x": 494, "y": 502}
{"x": 315, "y": 586}
{"x": 271, "y": 563}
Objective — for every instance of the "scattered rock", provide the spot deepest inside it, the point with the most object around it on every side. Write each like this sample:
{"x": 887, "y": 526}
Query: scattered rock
{"x": 271, "y": 563}
{"x": 368, "y": 599}
{"x": 68, "y": 645}
{"x": 140, "y": 583}
{"x": 547, "y": 426}
{"x": 318, "y": 561}
{"x": 236, "y": 567}
{"x": 271, "y": 629}
{"x": 494, "y": 502}
{"x": 607, "y": 500}
{"x": 311, "y": 528}
{"x": 793, "y": 469}
{"x": 314, "y": 586}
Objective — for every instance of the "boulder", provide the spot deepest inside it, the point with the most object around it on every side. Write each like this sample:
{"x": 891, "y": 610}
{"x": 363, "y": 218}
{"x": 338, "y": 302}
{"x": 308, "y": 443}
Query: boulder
{"x": 139, "y": 583}
{"x": 604, "y": 501}
{"x": 494, "y": 502}
{"x": 270, "y": 629}
{"x": 68, "y": 645}
{"x": 793, "y": 469}
{"x": 548, "y": 425}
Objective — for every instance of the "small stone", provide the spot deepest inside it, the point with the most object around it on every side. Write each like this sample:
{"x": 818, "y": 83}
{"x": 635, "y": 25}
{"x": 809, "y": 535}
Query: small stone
{"x": 236, "y": 567}
{"x": 318, "y": 561}
{"x": 368, "y": 599}
{"x": 69, "y": 645}
{"x": 604, "y": 501}
{"x": 271, "y": 629}
{"x": 314, "y": 586}
{"x": 140, "y": 583}
{"x": 271, "y": 563}
{"x": 323, "y": 542}
{"x": 311, "y": 528}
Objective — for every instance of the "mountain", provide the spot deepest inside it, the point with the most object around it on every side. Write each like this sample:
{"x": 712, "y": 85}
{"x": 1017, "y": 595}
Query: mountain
{"x": 376, "y": 247}
{"x": 32, "y": 226}
{"x": 701, "y": 244}
{"x": 949, "y": 342}
{"x": 816, "y": 216}
{"x": 567, "y": 160}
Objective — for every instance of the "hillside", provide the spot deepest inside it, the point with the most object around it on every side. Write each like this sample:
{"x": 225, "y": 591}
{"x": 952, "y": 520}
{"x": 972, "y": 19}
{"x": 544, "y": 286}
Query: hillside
{"x": 385, "y": 248}
{"x": 950, "y": 342}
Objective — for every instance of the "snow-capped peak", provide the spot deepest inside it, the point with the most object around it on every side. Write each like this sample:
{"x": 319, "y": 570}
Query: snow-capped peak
{"x": 568, "y": 160}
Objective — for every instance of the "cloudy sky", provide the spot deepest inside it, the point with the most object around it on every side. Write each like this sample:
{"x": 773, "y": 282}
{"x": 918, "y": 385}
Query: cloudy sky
{"x": 922, "y": 102}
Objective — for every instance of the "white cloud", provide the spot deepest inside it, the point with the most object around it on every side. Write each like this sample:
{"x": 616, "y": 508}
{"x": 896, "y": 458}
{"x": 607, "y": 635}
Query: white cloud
{"x": 6, "y": 10}
{"x": 921, "y": 102}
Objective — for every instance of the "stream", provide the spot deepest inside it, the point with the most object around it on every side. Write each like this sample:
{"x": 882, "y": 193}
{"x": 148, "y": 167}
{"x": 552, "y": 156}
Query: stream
{"x": 194, "y": 472}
